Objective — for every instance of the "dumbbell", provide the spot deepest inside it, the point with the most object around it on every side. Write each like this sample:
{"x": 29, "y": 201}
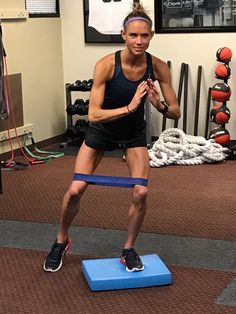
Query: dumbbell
{"x": 90, "y": 84}
{"x": 77, "y": 83}
{"x": 72, "y": 132}
{"x": 81, "y": 107}
{"x": 71, "y": 110}
{"x": 81, "y": 127}
{"x": 74, "y": 86}
{"x": 83, "y": 86}
{"x": 86, "y": 86}
{"x": 77, "y": 130}
{"x": 81, "y": 123}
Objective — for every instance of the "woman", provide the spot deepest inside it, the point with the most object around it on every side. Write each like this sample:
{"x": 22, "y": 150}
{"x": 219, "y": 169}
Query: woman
{"x": 121, "y": 83}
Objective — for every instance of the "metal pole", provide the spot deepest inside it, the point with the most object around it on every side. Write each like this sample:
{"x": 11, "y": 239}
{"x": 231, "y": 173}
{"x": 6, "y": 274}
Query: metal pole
{"x": 185, "y": 109}
{"x": 1, "y": 189}
{"x": 164, "y": 117}
{"x": 181, "y": 79}
{"x": 197, "y": 99}
{"x": 208, "y": 112}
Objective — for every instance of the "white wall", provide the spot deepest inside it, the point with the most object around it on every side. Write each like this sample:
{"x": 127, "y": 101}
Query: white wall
{"x": 195, "y": 49}
{"x": 34, "y": 49}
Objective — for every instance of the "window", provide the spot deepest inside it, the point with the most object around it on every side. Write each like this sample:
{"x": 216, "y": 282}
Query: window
{"x": 43, "y": 8}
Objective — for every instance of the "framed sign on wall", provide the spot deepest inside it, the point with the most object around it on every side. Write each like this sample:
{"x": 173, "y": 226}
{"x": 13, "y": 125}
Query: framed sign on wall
{"x": 103, "y": 20}
{"x": 177, "y": 16}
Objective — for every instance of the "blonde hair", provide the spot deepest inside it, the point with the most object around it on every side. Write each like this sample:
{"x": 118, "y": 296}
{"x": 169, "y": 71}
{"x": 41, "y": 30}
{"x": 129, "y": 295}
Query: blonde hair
{"x": 138, "y": 13}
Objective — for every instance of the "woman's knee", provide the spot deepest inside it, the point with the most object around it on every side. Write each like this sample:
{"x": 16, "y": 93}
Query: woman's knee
{"x": 75, "y": 191}
{"x": 140, "y": 193}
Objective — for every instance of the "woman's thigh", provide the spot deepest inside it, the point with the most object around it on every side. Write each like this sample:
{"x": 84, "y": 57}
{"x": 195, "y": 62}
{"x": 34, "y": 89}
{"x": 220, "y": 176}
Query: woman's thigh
{"x": 87, "y": 159}
{"x": 86, "y": 162}
{"x": 137, "y": 159}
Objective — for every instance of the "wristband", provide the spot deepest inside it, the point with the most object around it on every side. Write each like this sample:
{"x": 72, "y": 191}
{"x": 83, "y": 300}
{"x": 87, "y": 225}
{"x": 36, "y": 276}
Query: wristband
{"x": 165, "y": 109}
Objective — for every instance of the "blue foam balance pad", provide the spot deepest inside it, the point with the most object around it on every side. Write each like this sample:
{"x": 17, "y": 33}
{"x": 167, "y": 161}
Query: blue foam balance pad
{"x": 110, "y": 274}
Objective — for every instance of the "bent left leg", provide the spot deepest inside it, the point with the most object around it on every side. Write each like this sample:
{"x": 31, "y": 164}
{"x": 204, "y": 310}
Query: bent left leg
{"x": 138, "y": 163}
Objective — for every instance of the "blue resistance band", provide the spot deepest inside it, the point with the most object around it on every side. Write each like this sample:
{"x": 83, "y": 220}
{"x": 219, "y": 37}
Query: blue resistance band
{"x": 125, "y": 182}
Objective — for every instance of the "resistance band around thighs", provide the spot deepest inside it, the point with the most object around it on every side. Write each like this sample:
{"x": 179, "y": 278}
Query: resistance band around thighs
{"x": 125, "y": 182}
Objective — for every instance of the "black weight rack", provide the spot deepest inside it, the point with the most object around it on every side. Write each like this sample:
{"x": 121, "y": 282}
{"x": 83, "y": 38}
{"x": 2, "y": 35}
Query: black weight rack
{"x": 75, "y": 131}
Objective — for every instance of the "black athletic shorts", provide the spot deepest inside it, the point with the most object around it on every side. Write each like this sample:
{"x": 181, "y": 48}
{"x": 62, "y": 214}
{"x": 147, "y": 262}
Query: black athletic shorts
{"x": 98, "y": 141}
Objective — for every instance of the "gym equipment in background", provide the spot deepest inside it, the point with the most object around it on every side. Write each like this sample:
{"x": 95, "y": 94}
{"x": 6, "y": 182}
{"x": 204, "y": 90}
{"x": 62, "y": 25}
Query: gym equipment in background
{"x": 183, "y": 89}
{"x": 180, "y": 88}
{"x": 220, "y": 114}
{"x": 197, "y": 101}
{"x": 224, "y": 54}
{"x": 81, "y": 86}
{"x": 220, "y": 135}
{"x": 164, "y": 117}
{"x": 222, "y": 71}
{"x": 174, "y": 147}
{"x": 221, "y": 92}
{"x": 75, "y": 132}
{"x": 79, "y": 107}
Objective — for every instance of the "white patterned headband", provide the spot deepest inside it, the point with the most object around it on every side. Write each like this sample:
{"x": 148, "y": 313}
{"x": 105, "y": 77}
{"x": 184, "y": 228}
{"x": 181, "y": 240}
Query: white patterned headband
{"x": 137, "y": 18}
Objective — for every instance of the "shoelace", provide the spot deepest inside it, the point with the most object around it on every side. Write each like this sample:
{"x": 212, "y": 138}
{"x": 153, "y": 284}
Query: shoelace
{"x": 56, "y": 250}
{"x": 132, "y": 255}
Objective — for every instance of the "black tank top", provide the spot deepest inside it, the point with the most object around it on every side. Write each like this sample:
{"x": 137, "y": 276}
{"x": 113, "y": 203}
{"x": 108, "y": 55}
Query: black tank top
{"x": 119, "y": 93}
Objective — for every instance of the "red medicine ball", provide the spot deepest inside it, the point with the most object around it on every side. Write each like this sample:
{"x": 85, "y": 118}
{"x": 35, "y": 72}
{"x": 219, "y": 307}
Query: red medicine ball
{"x": 220, "y": 135}
{"x": 224, "y": 54}
{"x": 222, "y": 71}
{"x": 220, "y": 92}
{"x": 220, "y": 114}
